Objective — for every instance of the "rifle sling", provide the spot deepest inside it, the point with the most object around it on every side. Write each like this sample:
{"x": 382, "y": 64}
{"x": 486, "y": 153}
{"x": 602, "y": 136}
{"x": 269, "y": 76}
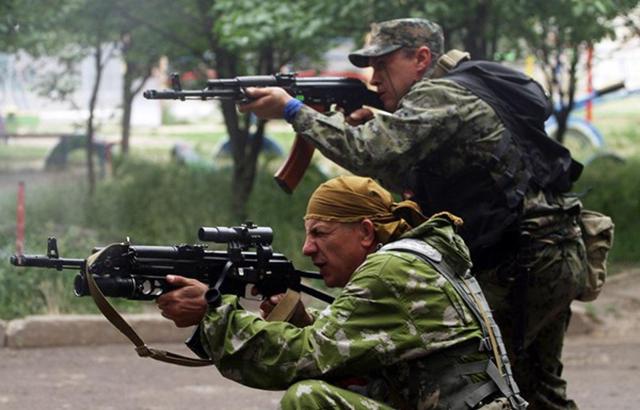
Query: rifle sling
{"x": 285, "y": 309}
{"x": 121, "y": 324}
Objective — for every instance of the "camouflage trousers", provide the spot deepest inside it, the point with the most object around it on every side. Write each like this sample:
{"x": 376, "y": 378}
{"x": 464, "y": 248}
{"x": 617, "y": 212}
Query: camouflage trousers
{"x": 533, "y": 313}
{"x": 317, "y": 394}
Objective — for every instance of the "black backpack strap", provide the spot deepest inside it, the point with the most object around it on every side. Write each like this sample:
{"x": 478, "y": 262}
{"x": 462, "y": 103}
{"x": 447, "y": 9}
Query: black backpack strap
{"x": 523, "y": 106}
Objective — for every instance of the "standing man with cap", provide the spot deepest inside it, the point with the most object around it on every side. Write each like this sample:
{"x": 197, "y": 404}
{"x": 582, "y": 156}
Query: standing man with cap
{"x": 409, "y": 329}
{"x": 453, "y": 142}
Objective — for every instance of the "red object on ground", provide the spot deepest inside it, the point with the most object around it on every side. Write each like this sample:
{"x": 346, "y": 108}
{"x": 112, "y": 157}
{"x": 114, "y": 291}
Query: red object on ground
{"x": 20, "y": 220}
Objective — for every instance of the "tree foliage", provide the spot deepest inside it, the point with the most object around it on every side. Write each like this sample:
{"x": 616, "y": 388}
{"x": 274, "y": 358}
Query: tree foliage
{"x": 559, "y": 34}
{"x": 245, "y": 37}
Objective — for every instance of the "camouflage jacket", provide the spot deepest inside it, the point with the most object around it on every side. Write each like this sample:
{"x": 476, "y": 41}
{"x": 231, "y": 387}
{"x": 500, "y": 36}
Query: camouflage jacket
{"x": 397, "y": 320}
{"x": 434, "y": 114}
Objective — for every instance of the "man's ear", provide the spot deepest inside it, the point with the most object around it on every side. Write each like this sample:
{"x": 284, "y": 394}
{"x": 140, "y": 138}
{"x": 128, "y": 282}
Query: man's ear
{"x": 368, "y": 238}
{"x": 423, "y": 59}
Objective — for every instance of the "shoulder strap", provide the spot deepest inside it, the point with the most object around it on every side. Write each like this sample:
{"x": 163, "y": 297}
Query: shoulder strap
{"x": 448, "y": 61}
{"x": 125, "y": 328}
{"x": 522, "y": 105}
{"x": 469, "y": 290}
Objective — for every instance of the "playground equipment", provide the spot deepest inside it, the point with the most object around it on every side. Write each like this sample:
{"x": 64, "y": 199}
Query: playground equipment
{"x": 58, "y": 157}
{"x": 583, "y": 139}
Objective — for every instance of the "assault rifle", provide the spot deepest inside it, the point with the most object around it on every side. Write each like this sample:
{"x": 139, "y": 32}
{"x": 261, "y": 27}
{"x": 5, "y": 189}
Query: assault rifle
{"x": 317, "y": 92}
{"x": 138, "y": 272}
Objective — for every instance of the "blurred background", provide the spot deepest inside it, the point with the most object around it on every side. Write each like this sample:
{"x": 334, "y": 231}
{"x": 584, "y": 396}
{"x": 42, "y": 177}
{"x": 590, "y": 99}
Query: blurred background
{"x": 85, "y": 158}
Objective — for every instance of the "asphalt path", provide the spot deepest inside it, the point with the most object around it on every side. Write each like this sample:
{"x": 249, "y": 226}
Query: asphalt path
{"x": 601, "y": 375}
{"x": 602, "y": 369}
{"x": 113, "y": 377}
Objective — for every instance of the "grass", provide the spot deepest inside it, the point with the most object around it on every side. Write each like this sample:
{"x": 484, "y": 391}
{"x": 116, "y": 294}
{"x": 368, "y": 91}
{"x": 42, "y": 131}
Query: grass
{"x": 151, "y": 203}
{"x": 154, "y": 202}
{"x": 619, "y": 122}
{"x": 612, "y": 188}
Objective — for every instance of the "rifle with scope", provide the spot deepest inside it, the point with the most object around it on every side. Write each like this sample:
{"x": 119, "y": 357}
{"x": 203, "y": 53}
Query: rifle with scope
{"x": 138, "y": 272}
{"x": 318, "y": 92}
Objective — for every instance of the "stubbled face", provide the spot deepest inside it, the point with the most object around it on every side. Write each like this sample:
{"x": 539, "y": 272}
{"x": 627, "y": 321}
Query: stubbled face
{"x": 337, "y": 249}
{"x": 395, "y": 73}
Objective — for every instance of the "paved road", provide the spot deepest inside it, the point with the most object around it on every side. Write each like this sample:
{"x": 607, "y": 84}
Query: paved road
{"x": 602, "y": 368}
{"x": 601, "y": 375}
{"x": 113, "y": 377}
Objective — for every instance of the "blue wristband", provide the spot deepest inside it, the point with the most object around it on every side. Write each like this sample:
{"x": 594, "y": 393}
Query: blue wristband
{"x": 291, "y": 109}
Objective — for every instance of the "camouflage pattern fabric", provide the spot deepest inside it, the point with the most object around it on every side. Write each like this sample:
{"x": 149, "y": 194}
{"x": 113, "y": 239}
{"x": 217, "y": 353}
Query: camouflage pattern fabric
{"x": 391, "y": 35}
{"x": 397, "y": 321}
{"x": 316, "y": 394}
{"x": 442, "y": 120}
{"x": 434, "y": 114}
{"x": 556, "y": 261}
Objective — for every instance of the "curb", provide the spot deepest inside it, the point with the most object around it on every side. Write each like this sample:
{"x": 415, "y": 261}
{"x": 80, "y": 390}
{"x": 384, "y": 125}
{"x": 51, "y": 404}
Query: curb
{"x": 84, "y": 330}
{"x": 3, "y": 325}
{"x": 92, "y": 330}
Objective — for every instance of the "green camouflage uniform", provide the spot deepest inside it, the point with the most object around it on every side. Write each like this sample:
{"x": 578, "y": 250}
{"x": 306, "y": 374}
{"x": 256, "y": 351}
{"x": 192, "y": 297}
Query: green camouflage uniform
{"x": 439, "y": 117}
{"x": 392, "y": 333}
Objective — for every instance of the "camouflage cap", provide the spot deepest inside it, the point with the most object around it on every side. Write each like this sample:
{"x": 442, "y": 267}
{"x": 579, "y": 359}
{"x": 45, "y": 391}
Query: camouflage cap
{"x": 389, "y": 36}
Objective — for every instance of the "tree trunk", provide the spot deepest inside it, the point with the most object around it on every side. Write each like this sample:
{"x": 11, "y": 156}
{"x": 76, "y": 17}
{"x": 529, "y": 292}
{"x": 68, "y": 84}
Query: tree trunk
{"x": 90, "y": 126}
{"x": 475, "y": 40}
{"x": 127, "y": 101}
{"x": 566, "y": 101}
{"x": 244, "y": 147}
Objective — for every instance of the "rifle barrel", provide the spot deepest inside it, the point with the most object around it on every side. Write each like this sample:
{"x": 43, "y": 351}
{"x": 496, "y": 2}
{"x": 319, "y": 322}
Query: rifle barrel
{"x": 42, "y": 261}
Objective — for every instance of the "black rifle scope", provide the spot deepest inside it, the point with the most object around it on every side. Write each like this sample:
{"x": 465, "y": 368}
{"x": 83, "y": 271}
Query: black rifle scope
{"x": 246, "y": 235}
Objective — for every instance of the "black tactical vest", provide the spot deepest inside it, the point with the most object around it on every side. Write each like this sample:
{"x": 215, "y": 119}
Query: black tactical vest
{"x": 488, "y": 194}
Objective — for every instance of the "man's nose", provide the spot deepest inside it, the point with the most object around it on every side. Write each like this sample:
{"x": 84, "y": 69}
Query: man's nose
{"x": 309, "y": 247}
{"x": 375, "y": 78}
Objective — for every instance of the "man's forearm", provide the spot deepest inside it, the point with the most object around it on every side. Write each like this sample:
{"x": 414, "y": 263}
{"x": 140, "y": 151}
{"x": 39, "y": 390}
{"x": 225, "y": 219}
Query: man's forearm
{"x": 364, "y": 150}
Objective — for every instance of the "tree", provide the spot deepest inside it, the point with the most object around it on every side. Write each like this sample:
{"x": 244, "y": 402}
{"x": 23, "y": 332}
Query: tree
{"x": 68, "y": 30}
{"x": 140, "y": 52}
{"x": 89, "y": 26}
{"x": 235, "y": 38}
{"x": 558, "y": 34}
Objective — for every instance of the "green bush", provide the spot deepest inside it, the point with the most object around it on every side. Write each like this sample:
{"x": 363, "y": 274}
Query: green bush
{"x": 148, "y": 202}
{"x": 166, "y": 204}
{"x": 25, "y": 291}
{"x": 613, "y": 188}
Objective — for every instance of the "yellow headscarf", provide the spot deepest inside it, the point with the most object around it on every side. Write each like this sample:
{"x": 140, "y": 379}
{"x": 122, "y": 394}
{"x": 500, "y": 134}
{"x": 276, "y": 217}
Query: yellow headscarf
{"x": 352, "y": 199}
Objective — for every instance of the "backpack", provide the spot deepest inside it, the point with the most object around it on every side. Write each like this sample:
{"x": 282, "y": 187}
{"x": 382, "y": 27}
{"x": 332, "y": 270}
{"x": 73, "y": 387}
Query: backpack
{"x": 490, "y": 203}
{"x": 523, "y": 106}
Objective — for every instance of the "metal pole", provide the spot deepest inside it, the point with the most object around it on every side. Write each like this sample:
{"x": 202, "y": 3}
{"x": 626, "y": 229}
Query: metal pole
{"x": 20, "y": 220}
{"x": 589, "y": 108}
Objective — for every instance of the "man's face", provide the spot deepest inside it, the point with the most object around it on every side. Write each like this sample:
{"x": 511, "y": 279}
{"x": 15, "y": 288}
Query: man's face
{"x": 337, "y": 249}
{"x": 396, "y": 72}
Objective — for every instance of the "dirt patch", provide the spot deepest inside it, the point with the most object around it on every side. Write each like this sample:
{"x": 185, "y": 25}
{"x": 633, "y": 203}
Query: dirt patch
{"x": 602, "y": 366}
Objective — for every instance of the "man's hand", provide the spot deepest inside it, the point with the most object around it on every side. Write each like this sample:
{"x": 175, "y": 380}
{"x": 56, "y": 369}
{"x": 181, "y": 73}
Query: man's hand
{"x": 186, "y": 305}
{"x": 268, "y": 102}
{"x": 299, "y": 318}
{"x": 359, "y": 116}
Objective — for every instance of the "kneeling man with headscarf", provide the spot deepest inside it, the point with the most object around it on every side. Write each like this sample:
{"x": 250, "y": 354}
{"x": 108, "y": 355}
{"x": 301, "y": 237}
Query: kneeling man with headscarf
{"x": 410, "y": 327}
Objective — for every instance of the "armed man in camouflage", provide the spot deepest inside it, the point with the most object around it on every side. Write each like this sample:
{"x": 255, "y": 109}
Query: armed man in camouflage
{"x": 410, "y": 328}
{"x": 449, "y": 149}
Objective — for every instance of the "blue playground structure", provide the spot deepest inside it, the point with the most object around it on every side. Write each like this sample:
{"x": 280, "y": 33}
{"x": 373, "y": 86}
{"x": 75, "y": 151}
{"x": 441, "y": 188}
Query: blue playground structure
{"x": 583, "y": 138}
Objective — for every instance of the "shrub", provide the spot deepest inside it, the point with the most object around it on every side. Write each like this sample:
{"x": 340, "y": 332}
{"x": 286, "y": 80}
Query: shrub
{"x": 613, "y": 188}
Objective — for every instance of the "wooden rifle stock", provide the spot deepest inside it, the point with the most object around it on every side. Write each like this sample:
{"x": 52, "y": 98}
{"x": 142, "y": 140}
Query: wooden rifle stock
{"x": 292, "y": 170}
{"x": 290, "y": 173}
